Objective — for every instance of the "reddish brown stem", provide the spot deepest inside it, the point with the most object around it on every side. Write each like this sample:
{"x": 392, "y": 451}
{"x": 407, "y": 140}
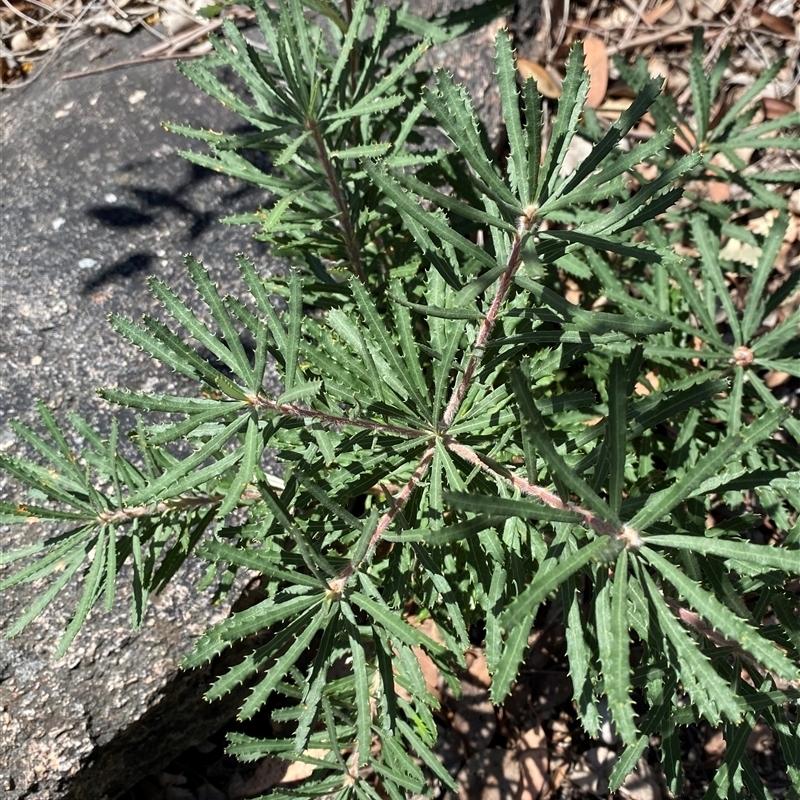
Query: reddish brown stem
{"x": 484, "y": 332}
{"x": 386, "y": 520}
{"x": 590, "y": 519}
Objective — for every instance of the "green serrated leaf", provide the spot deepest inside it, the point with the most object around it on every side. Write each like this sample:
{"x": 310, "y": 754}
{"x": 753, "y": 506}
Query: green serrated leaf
{"x": 611, "y": 622}
{"x": 724, "y": 621}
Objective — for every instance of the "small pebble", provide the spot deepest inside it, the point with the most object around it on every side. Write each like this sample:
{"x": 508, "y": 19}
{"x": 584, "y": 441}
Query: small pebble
{"x": 57, "y": 223}
{"x": 36, "y": 360}
{"x": 110, "y": 198}
{"x": 62, "y": 112}
{"x": 87, "y": 263}
{"x": 7, "y": 439}
{"x": 137, "y": 97}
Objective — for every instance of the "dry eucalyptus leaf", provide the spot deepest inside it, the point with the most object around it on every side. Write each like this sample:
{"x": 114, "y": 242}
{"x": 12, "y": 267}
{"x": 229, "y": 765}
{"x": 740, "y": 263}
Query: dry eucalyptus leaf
{"x": 300, "y": 770}
{"x": 545, "y": 83}
{"x": 429, "y": 669}
{"x": 21, "y": 42}
{"x": 643, "y": 389}
{"x": 641, "y": 784}
{"x": 202, "y": 48}
{"x": 533, "y": 758}
{"x": 176, "y": 22}
{"x": 775, "y": 108}
{"x": 794, "y": 202}
{"x": 578, "y": 152}
{"x": 596, "y": 61}
{"x": 612, "y": 107}
{"x": 657, "y": 67}
{"x": 741, "y": 252}
{"x": 762, "y": 225}
{"x": 109, "y": 21}
{"x": 50, "y": 39}
{"x": 780, "y": 25}
{"x": 709, "y": 9}
{"x": 655, "y": 14}
{"x": 775, "y": 379}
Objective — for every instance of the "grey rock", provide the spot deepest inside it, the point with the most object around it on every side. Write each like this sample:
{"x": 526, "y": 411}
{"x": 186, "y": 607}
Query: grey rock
{"x": 94, "y": 199}
{"x": 470, "y": 60}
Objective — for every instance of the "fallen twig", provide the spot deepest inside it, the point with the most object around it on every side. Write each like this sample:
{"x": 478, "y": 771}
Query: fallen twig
{"x": 129, "y": 62}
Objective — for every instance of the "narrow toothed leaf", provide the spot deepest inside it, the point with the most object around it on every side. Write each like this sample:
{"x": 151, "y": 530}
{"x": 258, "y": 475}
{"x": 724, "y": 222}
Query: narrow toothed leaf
{"x": 724, "y": 621}
{"x": 755, "y": 299}
{"x": 707, "y": 689}
{"x": 575, "y": 89}
{"x": 312, "y": 697}
{"x": 208, "y": 292}
{"x": 701, "y": 93}
{"x": 502, "y": 508}
{"x": 252, "y": 448}
{"x": 91, "y": 590}
{"x": 617, "y": 433}
{"x": 453, "y": 108}
{"x": 427, "y": 755}
{"x": 408, "y": 205}
{"x": 508, "y": 663}
{"x": 507, "y": 81}
{"x": 394, "y": 625}
{"x": 178, "y": 478}
{"x": 44, "y": 598}
{"x": 547, "y": 580}
{"x": 362, "y": 679}
{"x": 611, "y": 622}
{"x": 754, "y": 555}
{"x": 661, "y": 503}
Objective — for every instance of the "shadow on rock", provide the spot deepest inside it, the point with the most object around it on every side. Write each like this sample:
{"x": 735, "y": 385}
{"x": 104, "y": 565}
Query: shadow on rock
{"x": 125, "y": 268}
{"x": 120, "y": 216}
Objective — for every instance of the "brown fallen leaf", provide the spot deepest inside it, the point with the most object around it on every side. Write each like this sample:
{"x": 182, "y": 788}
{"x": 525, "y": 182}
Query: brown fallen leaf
{"x": 655, "y": 14}
{"x": 650, "y": 384}
{"x": 657, "y": 67}
{"x": 545, "y": 83}
{"x": 794, "y": 202}
{"x": 573, "y": 293}
{"x": 715, "y": 746}
{"x": 612, "y": 107}
{"x": 775, "y": 379}
{"x": 474, "y": 715}
{"x": 21, "y": 42}
{"x": 641, "y": 784}
{"x": 780, "y": 25}
{"x": 775, "y": 108}
{"x": 300, "y": 770}
{"x": 429, "y": 669}
{"x": 534, "y": 763}
{"x": 478, "y": 669}
{"x": 596, "y": 60}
